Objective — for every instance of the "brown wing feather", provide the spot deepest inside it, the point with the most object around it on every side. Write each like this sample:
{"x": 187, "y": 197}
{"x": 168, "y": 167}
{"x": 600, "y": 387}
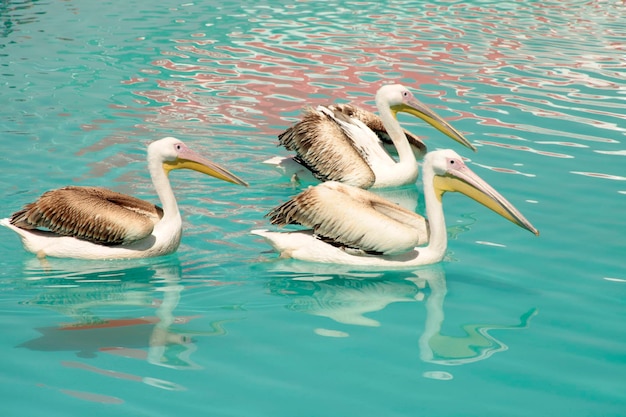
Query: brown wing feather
{"x": 322, "y": 146}
{"x": 375, "y": 123}
{"x": 354, "y": 218}
{"x": 90, "y": 213}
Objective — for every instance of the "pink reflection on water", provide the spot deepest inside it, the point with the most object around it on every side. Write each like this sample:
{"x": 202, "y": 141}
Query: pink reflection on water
{"x": 275, "y": 83}
{"x": 600, "y": 175}
{"x": 523, "y": 58}
{"x": 93, "y": 397}
{"x": 504, "y": 170}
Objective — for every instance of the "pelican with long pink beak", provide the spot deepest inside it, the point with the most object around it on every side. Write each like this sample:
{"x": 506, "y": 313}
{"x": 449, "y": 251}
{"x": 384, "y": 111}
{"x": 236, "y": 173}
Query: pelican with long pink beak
{"x": 345, "y": 143}
{"x": 349, "y": 225}
{"x": 97, "y": 223}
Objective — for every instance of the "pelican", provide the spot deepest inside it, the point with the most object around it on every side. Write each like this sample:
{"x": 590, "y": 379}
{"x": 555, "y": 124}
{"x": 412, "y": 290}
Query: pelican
{"x": 357, "y": 227}
{"x": 343, "y": 142}
{"x": 96, "y": 223}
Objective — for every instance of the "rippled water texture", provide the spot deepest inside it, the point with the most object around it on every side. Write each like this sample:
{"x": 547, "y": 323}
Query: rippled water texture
{"x": 509, "y": 324}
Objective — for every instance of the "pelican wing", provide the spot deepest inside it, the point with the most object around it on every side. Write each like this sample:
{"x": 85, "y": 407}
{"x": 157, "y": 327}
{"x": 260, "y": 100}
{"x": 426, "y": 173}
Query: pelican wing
{"x": 324, "y": 148}
{"x": 374, "y": 122}
{"x": 90, "y": 213}
{"x": 354, "y": 218}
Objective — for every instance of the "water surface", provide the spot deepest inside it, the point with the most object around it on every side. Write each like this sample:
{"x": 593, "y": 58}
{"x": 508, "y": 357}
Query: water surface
{"x": 508, "y": 324}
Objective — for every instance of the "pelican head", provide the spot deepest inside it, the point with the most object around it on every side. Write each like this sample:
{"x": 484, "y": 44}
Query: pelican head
{"x": 174, "y": 154}
{"x": 400, "y": 99}
{"x": 451, "y": 174}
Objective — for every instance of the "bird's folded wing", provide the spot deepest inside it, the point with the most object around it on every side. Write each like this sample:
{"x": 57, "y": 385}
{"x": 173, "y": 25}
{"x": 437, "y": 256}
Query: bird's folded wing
{"x": 353, "y": 217}
{"x": 323, "y": 147}
{"x": 90, "y": 213}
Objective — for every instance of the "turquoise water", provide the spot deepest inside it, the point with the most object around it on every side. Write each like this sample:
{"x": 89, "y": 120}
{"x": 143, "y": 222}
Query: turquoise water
{"x": 508, "y": 325}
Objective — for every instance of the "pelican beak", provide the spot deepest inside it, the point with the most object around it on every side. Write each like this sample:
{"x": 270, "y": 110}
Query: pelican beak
{"x": 188, "y": 159}
{"x": 464, "y": 180}
{"x": 419, "y": 109}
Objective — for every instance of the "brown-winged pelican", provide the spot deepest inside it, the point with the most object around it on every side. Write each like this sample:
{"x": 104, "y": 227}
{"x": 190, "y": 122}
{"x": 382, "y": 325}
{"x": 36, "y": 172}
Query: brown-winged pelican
{"x": 96, "y": 223}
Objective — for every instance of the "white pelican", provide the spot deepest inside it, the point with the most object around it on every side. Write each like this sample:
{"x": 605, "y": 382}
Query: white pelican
{"x": 357, "y": 227}
{"x": 343, "y": 142}
{"x": 96, "y": 223}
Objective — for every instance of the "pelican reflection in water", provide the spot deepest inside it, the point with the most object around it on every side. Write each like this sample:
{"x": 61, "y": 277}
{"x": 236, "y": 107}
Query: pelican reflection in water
{"x": 102, "y": 286}
{"x": 89, "y": 293}
{"x": 352, "y": 299}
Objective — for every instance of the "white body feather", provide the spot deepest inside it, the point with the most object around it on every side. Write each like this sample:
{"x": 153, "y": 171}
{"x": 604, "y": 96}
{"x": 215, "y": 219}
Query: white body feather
{"x": 164, "y": 239}
{"x": 304, "y": 246}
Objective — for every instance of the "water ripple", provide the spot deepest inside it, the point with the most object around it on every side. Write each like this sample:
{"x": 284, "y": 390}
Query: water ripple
{"x": 86, "y": 87}
{"x": 600, "y": 175}
{"x": 285, "y": 57}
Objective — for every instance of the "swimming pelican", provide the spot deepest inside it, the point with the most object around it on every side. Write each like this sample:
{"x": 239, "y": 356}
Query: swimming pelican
{"x": 357, "y": 227}
{"x": 96, "y": 223}
{"x": 343, "y": 142}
